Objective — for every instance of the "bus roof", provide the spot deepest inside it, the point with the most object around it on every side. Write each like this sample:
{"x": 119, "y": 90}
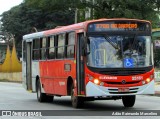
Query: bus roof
{"x": 72, "y": 27}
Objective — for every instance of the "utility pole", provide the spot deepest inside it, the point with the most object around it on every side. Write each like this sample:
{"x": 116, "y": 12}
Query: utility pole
{"x": 76, "y": 15}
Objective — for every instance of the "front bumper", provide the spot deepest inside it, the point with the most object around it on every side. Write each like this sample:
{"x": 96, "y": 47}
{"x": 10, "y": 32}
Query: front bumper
{"x": 96, "y": 90}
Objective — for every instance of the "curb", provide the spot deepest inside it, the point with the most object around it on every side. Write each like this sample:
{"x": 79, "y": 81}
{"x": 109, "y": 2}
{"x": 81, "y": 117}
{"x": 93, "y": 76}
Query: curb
{"x": 157, "y": 83}
{"x": 157, "y": 93}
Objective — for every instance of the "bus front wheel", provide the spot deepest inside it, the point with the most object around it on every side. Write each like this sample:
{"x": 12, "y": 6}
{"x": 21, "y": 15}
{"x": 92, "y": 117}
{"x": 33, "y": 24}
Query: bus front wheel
{"x": 129, "y": 101}
{"x": 77, "y": 102}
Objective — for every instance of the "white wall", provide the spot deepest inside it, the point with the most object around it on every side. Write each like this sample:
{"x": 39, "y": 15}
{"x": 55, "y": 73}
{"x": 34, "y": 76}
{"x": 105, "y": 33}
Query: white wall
{"x": 17, "y": 77}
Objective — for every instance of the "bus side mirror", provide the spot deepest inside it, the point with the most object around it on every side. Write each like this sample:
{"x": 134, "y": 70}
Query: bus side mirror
{"x": 86, "y": 50}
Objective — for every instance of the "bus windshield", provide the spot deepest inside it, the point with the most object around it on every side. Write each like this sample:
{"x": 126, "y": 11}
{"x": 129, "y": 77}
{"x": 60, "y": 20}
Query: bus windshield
{"x": 119, "y": 51}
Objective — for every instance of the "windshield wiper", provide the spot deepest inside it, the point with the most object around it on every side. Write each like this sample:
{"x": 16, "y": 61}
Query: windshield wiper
{"x": 110, "y": 41}
{"x": 134, "y": 43}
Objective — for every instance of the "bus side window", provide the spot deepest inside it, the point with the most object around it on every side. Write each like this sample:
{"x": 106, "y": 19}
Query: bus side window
{"x": 47, "y": 47}
{"x": 43, "y": 49}
{"x": 61, "y": 40}
{"x": 52, "y": 48}
{"x": 71, "y": 45}
{"x": 36, "y": 49}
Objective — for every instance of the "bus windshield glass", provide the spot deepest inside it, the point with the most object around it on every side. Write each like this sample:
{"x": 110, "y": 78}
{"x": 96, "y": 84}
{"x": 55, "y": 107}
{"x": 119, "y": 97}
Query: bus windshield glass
{"x": 119, "y": 51}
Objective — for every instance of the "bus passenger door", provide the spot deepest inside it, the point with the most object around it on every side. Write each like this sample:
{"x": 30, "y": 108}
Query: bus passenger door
{"x": 80, "y": 64}
{"x": 24, "y": 65}
{"x": 29, "y": 65}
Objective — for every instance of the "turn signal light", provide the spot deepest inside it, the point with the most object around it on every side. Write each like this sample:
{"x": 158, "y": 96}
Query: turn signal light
{"x": 102, "y": 83}
{"x": 143, "y": 82}
{"x": 90, "y": 78}
{"x": 152, "y": 76}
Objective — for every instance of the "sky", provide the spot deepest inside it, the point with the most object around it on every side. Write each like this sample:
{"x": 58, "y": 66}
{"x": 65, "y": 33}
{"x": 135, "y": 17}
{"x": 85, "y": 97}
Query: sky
{"x": 6, "y": 5}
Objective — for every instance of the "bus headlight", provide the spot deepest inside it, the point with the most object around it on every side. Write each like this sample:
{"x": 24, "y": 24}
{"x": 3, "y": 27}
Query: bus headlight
{"x": 96, "y": 81}
{"x": 148, "y": 80}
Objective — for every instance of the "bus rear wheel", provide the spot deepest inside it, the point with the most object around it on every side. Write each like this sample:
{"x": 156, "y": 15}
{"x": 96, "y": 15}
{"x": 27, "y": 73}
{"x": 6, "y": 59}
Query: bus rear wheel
{"x": 77, "y": 102}
{"x": 42, "y": 97}
{"x": 129, "y": 101}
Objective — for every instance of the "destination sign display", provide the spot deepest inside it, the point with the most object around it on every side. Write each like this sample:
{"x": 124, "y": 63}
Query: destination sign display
{"x": 118, "y": 26}
{"x": 115, "y": 26}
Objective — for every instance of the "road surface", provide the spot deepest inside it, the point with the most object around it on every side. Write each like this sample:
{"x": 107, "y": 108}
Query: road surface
{"x": 14, "y": 97}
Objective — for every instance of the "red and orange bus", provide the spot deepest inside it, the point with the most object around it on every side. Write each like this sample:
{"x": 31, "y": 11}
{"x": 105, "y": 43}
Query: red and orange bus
{"x": 92, "y": 60}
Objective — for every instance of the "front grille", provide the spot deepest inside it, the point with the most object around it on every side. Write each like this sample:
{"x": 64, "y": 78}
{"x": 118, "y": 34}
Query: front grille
{"x": 123, "y": 92}
{"x": 123, "y": 72}
{"x": 120, "y": 83}
{"x": 134, "y": 89}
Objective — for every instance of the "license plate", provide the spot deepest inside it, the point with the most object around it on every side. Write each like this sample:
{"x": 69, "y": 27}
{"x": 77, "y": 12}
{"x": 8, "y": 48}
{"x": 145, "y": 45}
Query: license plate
{"x": 123, "y": 89}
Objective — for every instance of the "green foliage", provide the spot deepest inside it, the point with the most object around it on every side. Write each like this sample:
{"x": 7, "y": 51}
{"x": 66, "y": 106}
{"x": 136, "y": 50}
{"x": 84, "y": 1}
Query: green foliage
{"x": 47, "y": 14}
{"x": 21, "y": 19}
{"x": 138, "y": 9}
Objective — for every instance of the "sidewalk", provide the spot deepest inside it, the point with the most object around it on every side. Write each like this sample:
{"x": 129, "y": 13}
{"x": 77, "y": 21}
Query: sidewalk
{"x": 157, "y": 89}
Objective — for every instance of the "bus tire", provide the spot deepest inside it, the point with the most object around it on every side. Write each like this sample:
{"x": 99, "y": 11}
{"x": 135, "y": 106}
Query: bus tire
{"x": 129, "y": 101}
{"x": 42, "y": 97}
{"x": 49, "y": 98}
{"x": 77, "y": 102}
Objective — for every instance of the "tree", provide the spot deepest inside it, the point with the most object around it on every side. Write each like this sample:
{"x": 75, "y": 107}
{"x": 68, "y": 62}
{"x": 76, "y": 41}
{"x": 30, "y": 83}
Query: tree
{"x": 138, "y": 9}
{"x": 47, "y": 14}
{"x": 21, "y": 19}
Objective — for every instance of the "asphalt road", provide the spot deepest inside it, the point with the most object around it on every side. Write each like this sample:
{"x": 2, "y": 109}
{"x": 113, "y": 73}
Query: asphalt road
{"x": 14, "y": 97}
